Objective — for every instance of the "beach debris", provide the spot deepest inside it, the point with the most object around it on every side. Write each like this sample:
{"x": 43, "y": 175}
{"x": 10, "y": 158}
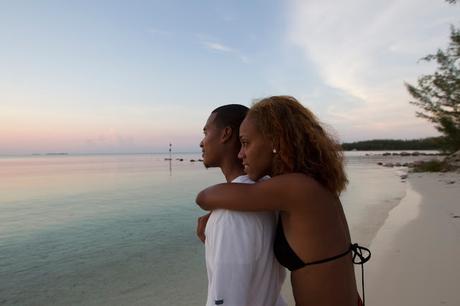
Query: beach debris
{"x": 451, "y": 182}
{"x": 389, "y": 165}
{"x": 380, "y": 163}
{"x": 180, "y": 159}
{"x": 403, "y": 176}
{"x": 192, "y": 160}
{"x": 167, "y": 158}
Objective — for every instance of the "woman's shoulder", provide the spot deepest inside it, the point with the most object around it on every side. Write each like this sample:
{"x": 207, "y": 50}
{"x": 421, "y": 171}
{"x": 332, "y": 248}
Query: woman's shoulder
{"x": 296, "y": 179}
{"x": 297, "y": 183}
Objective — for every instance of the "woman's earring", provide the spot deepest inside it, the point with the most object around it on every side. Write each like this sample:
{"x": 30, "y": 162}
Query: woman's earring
{"x": 274, "y": 151}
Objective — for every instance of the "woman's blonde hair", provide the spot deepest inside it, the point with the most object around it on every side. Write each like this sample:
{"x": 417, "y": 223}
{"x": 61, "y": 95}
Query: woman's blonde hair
{"x": 301, "y": 143}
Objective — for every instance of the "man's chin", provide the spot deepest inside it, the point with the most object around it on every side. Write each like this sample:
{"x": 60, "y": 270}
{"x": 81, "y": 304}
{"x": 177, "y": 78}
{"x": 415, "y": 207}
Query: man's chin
{"x": 206, "y": 164}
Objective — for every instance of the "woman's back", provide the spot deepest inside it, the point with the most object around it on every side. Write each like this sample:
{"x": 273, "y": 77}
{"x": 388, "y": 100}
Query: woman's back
{"x": 309, "y": 233}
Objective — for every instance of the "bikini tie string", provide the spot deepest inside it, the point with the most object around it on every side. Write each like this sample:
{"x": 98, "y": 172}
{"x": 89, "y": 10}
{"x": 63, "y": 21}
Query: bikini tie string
{"x": 360, "y": 255}
{"x": 360, "y": 258}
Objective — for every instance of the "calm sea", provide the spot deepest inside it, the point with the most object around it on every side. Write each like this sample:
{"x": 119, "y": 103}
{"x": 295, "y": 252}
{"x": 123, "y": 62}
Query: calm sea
{"x": 120, "y": 229}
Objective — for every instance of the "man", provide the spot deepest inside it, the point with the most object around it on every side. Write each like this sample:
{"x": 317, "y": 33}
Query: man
{"x": 241, "y": 267}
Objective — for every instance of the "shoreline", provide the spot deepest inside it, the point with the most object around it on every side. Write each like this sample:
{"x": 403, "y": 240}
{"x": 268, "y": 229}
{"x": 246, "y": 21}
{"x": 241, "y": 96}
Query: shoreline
{"x": 415, "y": 253}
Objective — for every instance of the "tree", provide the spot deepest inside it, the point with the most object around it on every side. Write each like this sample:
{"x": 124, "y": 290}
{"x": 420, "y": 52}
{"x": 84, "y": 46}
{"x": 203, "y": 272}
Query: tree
{"x": 438, "y": 94}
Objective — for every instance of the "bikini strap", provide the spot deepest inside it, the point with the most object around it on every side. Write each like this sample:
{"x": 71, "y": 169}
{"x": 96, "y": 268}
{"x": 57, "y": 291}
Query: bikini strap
{"x": 360, "y": 255}
{"x": 330, "y": 258}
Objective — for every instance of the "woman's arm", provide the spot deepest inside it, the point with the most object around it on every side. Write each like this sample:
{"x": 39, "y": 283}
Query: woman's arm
{"x": 280, "y": 193}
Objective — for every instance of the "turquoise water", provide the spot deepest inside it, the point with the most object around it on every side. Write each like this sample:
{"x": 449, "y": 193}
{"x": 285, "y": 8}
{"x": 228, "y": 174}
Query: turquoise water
{"x": 120, "y": 229}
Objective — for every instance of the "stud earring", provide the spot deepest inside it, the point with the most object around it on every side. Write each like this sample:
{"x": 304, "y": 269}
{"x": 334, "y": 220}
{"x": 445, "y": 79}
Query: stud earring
{"x": 274, "y": 151}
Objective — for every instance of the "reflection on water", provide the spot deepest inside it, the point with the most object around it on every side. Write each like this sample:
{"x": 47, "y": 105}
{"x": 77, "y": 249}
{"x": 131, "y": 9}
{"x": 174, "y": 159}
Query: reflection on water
{"x": 100, "y": 230}
{"x": 120, "y": 229}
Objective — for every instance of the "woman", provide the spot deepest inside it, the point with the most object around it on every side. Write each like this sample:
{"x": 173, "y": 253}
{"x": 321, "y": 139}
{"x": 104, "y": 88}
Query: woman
{"x": 281, "y": 138}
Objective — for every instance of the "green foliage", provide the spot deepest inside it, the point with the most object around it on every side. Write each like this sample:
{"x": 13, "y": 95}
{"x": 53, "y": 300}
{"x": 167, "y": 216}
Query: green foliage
{"x": 431, "y": 166}
{"x": 432, "y": 143}
{"x": 438, "y": 94}
{"x": 451, "y": 142}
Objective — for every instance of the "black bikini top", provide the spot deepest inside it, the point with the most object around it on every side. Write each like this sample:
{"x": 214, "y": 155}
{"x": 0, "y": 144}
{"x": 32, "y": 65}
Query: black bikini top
{"x": 289, "y": 259}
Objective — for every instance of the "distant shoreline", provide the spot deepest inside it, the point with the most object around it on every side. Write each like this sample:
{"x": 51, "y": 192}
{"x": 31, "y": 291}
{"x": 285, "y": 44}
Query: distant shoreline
{"x": 390, "y": 151}
{"x": 431, "y": 143}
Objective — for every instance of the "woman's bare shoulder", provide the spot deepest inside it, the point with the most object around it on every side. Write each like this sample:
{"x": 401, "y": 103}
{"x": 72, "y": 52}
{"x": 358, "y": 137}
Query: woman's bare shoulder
{"x": 296, "y": 183}
{"x": 295, "y": 179}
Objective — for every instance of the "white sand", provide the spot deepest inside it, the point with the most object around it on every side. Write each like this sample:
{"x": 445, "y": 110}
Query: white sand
{"x": 416, "y": 254}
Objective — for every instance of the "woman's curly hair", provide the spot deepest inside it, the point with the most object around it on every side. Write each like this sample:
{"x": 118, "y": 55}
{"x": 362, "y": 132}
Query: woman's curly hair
{"x": 301, "y": 143}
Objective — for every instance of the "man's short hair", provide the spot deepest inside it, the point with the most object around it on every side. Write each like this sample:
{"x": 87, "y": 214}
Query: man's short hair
{"x": 230, "y": 115}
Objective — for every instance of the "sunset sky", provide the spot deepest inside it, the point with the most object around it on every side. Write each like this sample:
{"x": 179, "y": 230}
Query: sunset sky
{"x": 131, "y": 76}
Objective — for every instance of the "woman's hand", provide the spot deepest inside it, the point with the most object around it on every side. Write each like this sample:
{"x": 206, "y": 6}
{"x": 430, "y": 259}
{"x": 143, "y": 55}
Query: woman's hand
{"x": 201, "y": 227}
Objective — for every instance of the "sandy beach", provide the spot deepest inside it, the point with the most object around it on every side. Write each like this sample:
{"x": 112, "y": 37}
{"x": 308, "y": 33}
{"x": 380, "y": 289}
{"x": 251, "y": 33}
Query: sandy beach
{"x": 415, "y": 254}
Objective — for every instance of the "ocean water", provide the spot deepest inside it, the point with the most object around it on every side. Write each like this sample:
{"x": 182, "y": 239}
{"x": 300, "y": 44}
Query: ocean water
{"x": 120, "y": 229}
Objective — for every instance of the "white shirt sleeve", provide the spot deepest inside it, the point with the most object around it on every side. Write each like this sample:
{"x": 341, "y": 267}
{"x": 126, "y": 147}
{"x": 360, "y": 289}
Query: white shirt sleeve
{"x": 237, "y": 247}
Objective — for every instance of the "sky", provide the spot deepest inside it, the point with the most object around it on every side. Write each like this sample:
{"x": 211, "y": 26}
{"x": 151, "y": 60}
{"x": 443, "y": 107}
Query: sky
{"x": 132, "y": 76}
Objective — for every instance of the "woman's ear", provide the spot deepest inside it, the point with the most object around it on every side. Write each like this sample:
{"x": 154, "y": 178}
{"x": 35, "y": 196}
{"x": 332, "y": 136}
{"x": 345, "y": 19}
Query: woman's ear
{"x": 275, "y": 147}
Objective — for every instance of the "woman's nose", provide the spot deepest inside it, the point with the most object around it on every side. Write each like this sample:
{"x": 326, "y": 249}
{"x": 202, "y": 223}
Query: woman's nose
{"x": 241, "y": 154}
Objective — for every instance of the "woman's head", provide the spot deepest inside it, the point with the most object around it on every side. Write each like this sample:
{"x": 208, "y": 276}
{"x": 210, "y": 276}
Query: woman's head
{"x": 279, "y": 135}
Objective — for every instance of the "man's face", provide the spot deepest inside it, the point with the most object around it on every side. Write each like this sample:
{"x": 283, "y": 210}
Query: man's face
{"x": 211, "y": 145}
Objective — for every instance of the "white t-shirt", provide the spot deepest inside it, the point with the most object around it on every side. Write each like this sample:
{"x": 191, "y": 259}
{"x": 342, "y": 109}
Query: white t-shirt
{"x": 242, "y": 269}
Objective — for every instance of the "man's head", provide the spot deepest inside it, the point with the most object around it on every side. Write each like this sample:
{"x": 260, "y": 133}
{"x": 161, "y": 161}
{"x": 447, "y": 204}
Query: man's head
{"x": 221, "y": 134}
